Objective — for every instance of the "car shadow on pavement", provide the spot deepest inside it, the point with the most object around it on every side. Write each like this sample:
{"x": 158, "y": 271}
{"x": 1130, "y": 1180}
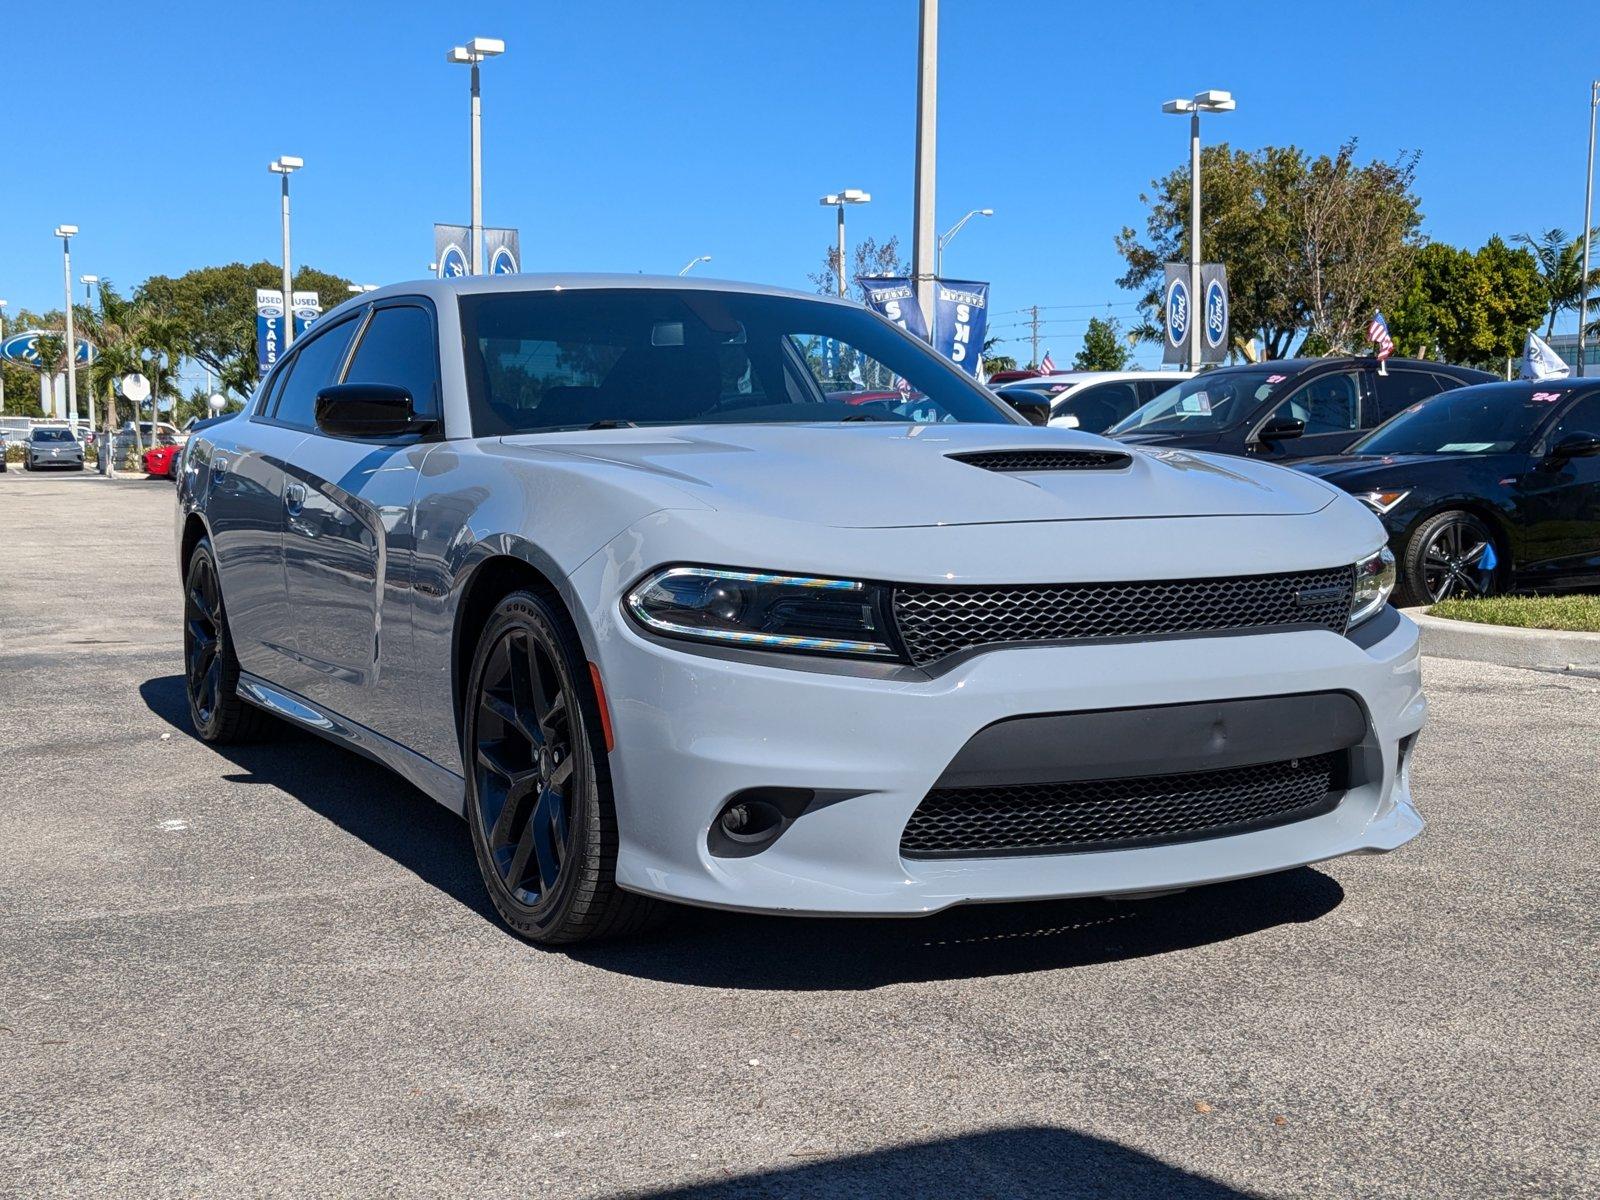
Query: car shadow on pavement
{"x": 705, "y": 948}
{"x": 1014, "y": 1162}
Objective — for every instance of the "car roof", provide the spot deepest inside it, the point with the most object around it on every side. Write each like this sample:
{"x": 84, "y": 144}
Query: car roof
{"x": 472, "y": 285}
{"x": 1294, "y": 366}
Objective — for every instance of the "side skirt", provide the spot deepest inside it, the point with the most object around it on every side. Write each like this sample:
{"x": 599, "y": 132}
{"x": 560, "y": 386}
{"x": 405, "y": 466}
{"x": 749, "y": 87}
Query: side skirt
{"x": 448, "y": 788}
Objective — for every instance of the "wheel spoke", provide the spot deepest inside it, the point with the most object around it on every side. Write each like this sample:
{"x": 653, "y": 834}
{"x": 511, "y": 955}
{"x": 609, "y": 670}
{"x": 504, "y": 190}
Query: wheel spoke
{"x": 507, "y": 713}
{"x": 546, "y": 816}
{"x": 1446, "y": 586}
{"x": 1471, "y": 557}
{"x": 517, "y": 869}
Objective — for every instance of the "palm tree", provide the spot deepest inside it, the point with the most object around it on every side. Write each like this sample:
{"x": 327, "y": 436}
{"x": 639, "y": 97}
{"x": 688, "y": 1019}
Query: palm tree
{"x": 1561, "y": 265}
{"x": 51, "y": 349}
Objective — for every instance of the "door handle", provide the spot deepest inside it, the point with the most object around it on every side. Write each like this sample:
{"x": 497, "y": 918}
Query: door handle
{"x": 294, "y": 498}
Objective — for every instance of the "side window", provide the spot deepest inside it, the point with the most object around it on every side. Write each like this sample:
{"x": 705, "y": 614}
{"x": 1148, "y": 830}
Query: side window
{"x": 312, "y": 368}
{"x": 1582, "y": 417}
{"x": 1447, "y": 384}
{"x": 267, "y": 394}
{"x": 399, "y": 347}
{"x": 1101, "y": 405}
{"x": 1328, "y": 404}
{"x": 1399, "y": 390}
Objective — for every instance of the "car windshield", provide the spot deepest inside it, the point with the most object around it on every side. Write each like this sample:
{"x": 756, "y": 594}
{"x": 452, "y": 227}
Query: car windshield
{"x": 1209, "y": 402}
{"x": 1489, "y": 418}
{"x": 52, "y": 435}
{"x": 603, "y": 358}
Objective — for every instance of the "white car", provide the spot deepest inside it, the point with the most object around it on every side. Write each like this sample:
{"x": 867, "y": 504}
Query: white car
{"x": 1094, "y": 401}
{"x": 603, "y": 564}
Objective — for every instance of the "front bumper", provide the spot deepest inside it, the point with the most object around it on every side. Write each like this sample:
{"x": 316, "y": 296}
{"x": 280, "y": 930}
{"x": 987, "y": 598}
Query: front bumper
{"x": 693, "y": 729}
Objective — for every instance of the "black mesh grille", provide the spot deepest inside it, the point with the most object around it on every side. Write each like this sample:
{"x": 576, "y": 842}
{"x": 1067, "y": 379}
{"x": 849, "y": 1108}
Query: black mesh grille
{"x": 1018, "y": 461}
{"x": 1106, "y": 814}
{"x": 937, "y": 621}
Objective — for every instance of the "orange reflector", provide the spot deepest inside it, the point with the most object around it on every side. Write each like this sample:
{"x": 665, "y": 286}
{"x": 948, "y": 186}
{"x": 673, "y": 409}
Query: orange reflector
{"x": 605, "y": 709}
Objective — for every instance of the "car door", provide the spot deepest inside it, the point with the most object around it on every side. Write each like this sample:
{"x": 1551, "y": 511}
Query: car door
{"x": 348, "y": 529}
{"x": 1328, "y": 405}
{"x": 1560, "y": 503}
{"x": 240, "y": 469}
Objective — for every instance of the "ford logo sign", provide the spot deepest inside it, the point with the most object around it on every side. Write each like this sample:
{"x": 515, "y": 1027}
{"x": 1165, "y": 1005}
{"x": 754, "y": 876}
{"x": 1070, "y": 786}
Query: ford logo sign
{"x": 453, "y": 262}
{"x": 1216, "y": 313}
{"x": 1177, "y": 309}
{"x": 501, "y": 262}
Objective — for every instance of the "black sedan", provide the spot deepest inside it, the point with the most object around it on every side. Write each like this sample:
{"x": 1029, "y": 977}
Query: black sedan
{"x": 1287, "y": 408}
{"x": 1485, "y": 489}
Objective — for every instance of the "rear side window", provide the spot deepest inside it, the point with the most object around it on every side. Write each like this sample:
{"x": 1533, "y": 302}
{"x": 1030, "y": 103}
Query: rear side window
{"x": 399, "y": 348}
{"x": 1399, "y": 390}
{"x": 1328, "y": 404}
{"x": 315, "y": 365}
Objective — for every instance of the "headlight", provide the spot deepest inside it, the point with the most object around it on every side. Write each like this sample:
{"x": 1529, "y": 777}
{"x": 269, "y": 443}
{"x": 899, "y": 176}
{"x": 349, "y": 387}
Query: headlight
{"x": 765, "y": 612}
{"x": 1374, "y": 582}
{"x": 1382, "y": 501}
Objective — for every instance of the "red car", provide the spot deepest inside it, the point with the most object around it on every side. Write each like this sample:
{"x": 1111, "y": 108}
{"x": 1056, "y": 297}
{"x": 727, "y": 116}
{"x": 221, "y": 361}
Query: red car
{"x": 161, "y": 461}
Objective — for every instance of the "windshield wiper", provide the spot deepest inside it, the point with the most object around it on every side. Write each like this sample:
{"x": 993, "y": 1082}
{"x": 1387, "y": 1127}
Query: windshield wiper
{"x": 613, "y": 423}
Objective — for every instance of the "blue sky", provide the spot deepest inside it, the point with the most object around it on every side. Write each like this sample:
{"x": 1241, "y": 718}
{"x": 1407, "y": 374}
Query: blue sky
{"x": 624, "y": 135}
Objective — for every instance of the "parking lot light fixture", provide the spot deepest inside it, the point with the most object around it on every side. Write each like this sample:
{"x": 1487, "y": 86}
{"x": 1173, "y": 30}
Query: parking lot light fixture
{"x": 2, "y": 339}
{"x": 1212, "y": 100}
{"x": 473, "y": 54}
{"x": 286, "y": 165}
{"x": 946, "y": 238}
{"x": 66, "y": 233}
{"x": 88, "y": 282}
{"x": 693, "y": 263}
{"x": 839, "y": 200}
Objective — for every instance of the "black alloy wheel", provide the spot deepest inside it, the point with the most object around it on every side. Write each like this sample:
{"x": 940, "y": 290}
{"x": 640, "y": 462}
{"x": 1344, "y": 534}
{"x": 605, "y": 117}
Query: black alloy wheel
{"x": 539, "y": 795}
{"x": 210, "y": 670}
{"x": 1445, "y": 560}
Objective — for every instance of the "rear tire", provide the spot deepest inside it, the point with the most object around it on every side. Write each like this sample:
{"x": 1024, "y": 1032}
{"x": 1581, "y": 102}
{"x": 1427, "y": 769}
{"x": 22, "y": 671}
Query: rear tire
{"x": 544, "y": 828}
{"x": 210, "y": 668}
{"x": 1442, "y": 561}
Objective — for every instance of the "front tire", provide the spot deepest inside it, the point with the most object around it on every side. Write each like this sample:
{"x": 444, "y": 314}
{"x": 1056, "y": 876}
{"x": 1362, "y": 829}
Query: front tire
{"x": 210, "y": 668}
{"x": 1443, "y": 560}
{"x": 544, "y": 828}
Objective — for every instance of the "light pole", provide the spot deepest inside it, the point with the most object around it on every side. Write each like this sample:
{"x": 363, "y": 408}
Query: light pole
{"x": 693, "y": 263}
{"x": 2, "y": 368}
{"x": 1212, "y": 101}
{"x": 473, "y": 53}
{"x": 1588, "y": 217}
{"x": 286, "y": 165}
{"x": 923, "y": 230}
{"x": 840, "y": 199}
{"x": 88, "y": 282}
{"x": 946, "y": 238}
{"x": 66, "y": 233}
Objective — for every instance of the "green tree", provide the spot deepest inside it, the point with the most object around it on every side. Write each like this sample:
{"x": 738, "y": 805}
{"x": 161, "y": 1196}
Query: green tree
{"x": 51, "y": 348}
{"x": 1103, "y": 347}
{"x": 1467, "y": 307}
{"x": 215, "y": 310}
{"x": 1561, "y": 268}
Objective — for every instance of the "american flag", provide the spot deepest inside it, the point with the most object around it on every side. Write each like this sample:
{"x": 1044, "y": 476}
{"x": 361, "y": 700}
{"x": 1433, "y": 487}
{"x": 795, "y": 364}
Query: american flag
{"x": 1378, "y": 335}
{"x": 1047, "y": 364}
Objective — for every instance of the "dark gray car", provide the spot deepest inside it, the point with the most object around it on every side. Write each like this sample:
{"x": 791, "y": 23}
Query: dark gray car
{"x": 52, "y": 446}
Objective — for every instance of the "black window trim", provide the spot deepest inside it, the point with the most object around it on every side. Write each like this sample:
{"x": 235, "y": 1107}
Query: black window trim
{"x": 409, "y": 301}
{"x": 285, "y": 367}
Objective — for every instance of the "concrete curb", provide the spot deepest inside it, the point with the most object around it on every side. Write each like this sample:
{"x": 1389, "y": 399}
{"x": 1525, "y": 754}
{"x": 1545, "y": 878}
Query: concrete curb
{"x": 1508, "y": 646}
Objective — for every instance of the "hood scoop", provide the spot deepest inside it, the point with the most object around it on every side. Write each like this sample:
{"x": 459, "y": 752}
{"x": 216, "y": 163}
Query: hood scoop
{"x": 1017, "y": 462}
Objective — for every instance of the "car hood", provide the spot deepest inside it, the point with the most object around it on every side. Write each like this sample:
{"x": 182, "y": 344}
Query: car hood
{"x": 1358, "y": 472}
{"x": 867, "y": 476}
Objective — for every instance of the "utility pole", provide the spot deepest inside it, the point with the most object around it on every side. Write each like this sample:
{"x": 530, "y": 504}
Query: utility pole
{"x": 1033, "y": 317}
{"x": 1588, "y": 217}
{"x": 923, "y": 232}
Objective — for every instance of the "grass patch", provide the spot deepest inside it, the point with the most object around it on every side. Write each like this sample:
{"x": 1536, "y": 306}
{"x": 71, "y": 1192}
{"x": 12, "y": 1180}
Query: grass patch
{"x": 1575, "y": 613}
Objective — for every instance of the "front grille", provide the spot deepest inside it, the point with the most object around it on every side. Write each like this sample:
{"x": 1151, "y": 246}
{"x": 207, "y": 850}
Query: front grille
{"x": 939, "y": 621}
{"x": 1020, "y": 461}
{"x": 1115, "y": 814}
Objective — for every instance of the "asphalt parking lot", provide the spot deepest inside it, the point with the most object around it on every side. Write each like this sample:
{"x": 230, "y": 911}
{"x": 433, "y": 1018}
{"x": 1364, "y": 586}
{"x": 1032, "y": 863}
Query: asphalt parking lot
{"x": 271, "y": 971}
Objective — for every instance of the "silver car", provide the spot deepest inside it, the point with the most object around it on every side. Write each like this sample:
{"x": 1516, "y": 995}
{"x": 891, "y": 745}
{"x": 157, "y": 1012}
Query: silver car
{"x": 52, "y": 446}
{"x": 745, "y": 598}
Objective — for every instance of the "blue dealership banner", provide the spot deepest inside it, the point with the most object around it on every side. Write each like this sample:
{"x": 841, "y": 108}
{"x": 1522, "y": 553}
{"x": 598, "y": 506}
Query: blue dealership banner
{"x": 960, "y": 319}
{"x": 269, "y": 327}
{"x": 307, "y": 308}
{"x": 894, "y": 297}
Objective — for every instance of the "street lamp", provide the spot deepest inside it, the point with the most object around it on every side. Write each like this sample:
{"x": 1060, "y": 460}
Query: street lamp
{"x": 473, "y": 53}
{"x": 693, "y": 263}
{"x": 360, "y": 289}
{"x": 286, "y": 165}
{"x": 66, "y": 233}
{"x": 1212, "y": 101}
{"x": 88, "y": 282}
{"x": 946, "y": 238}
{"x": 2, "y": 342}
{"x": 839, "y": 200}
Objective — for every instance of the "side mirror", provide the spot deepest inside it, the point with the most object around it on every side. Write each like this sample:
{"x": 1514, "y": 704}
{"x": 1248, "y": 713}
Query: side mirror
{"x": 368, "y": 410}
{"x": 1281, "y": 429}
{"x": 1575, "y": 445}
{"x": 1035, "y": 408}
